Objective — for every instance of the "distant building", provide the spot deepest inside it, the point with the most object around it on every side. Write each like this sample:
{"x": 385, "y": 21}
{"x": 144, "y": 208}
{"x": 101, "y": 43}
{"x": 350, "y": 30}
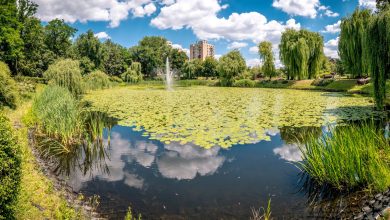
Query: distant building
{"x": 201, "y": 50}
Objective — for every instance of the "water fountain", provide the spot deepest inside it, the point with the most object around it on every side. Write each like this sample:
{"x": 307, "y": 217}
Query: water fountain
{"x": 168, "y": 76}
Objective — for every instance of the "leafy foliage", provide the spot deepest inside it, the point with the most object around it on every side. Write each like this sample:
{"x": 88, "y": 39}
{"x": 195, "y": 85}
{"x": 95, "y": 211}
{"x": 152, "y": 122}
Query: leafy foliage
{"x": 352, "y": 45}
{"x": 349, "y": 157}
{"x": 10, "y": 164}
{"x": 116, "y": 58}
{"x": 266, "y": 55}
{"x": 66, "y": 73}
{"x": 8, "y": 89}
{"x": 230, "y": 66}
{"x": 301, "y": 52}
{"x": 378, "y": 44}
{"x": 57, "y": 37}
{"x": 97, "y": 80}
{"x": 87, "y": 45}
{"x": 11, "y": 44}
{"x": 133, "y": 73}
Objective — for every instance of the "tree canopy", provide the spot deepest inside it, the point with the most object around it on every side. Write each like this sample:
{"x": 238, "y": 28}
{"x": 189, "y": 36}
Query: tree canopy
{"x": 301, "y": 52}
{"x": 230, "y": 66}
{"x": 267, "y": 57}
{"x": 353, "y": 53}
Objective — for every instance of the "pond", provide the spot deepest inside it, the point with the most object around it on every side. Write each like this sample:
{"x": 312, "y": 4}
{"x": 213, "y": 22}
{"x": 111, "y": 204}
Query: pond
{"x": 209, "y": 153}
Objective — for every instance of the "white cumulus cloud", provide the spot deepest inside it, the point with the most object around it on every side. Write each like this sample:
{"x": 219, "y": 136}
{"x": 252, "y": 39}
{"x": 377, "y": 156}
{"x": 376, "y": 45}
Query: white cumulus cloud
{"x": 371, "y": 4}
{"x": 102, "y": 35}
{"x": 112, "y": 11}
{"x": 332, "y": 28}
{"x": 306, "y": 8}
{"x": 331, "y": 48}
{"x": 237, "y": 45}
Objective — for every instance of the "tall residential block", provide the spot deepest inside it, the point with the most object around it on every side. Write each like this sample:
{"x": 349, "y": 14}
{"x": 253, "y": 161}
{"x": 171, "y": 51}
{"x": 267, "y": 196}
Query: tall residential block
{"x": 201, "y": 50}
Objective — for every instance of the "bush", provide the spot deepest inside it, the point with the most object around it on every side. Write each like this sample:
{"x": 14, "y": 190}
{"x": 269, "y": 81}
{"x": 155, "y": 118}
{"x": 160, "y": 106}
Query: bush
{"x": 244, "y": 83}
{"x": 8, "y": 89}
{"x": 10, "y": 166}
{"x": 66, "y": 73}
{"x": 116, "y": 79}
{"x": 349, "y": 158}
{"x": 57, "y": 113}
{"x": 97, "y": 80}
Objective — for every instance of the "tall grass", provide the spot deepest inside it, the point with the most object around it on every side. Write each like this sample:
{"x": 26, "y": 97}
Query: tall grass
{"x": 57, "y": 113}
{"x": 97, "y": 80}
{"x": 348, "y": 158}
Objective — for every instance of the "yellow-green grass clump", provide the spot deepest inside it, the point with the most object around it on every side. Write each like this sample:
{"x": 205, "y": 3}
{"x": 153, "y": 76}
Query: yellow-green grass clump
{"x": 210, "y": 116}
{"x": 349, "y": 157}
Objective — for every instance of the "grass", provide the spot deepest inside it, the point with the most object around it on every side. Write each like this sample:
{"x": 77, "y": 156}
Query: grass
{"x": 257, "y": 213}
{"x": 38, "y": 198}
{"x": 348, "y": 158}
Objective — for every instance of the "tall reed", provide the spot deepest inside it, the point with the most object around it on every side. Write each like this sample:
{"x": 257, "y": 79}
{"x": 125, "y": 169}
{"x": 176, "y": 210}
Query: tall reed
{"x": 349, "y": 157}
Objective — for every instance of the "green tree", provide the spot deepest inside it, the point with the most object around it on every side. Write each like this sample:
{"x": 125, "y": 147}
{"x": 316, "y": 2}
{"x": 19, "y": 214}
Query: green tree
{"x": 87, "y": 45}
{"x": 188, "y": 70}
{"x": 301, "y": 52}
{"x": 382, "y": 4}
{"x": 378, "y": 44}
{"x": 9, "y": 95}
{"x": 352, "y": 46}
{"x": 26, "y": 9}
{"x": 177, "y": 59}
{"x": 210, "y": 67}
{"x": 36, "y": 56}
{"x": 151, "y": 52}
{"x": 230, "y": 66}
{"x": 267, "y": 57}
{"x": 66, "y": 73}
{"x": 11, "y": 45}
{"x": 58, "y": 37}
{"x": 133, "y": 74}
{"x": 115, "y": 58}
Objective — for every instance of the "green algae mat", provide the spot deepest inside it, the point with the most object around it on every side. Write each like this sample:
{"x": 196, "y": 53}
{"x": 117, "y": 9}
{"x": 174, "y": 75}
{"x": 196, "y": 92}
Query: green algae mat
{"x": 212, "y": 116}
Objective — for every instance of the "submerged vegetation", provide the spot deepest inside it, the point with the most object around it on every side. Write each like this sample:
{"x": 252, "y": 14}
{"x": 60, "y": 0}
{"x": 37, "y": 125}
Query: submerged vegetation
{"x": 224, "y": 116}
{"x": 348, "y": 158}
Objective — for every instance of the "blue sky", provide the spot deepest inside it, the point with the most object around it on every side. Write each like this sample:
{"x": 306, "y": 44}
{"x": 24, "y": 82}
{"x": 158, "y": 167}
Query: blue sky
{"x": 228, "y": 24}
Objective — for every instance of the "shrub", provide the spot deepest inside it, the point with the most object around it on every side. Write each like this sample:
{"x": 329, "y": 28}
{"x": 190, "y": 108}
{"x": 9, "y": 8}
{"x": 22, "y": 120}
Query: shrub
{"x": 116, "y": 79}
{"x": 10, "y": 163}
{"x": 97, "y": 80}
{"x": 348, "y": 158}
{"x": 8, "y": 89}
{"x": 57, "y": 114}
{"x": 244, "y": 83}
{"x": 66, "y": 73}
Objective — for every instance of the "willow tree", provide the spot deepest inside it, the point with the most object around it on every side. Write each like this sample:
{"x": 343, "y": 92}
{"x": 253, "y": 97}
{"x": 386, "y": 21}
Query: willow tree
{"x": 301, "y": 52}
{"x": 352, "y": 46}
{"x": 267, "y": 57}
{"x": 378, "y": 44}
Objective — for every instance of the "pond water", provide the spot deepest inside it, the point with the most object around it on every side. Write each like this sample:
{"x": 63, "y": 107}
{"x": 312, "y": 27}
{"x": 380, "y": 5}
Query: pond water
{"x": 209, "y": 153}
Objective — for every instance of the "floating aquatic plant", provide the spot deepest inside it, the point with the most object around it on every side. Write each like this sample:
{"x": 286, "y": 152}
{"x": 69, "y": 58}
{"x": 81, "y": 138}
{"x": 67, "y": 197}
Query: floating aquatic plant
{"x": 209, "y": 116}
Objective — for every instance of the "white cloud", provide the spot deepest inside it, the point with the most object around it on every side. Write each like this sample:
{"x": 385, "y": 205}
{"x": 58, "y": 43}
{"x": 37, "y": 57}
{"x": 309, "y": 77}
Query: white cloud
{"x": 180, "y": 47}
{"x": 102, "y": 35}
{"x": 306, "y": 8}
{"x": 331, "y": 48}
{"x": 332, "y": 28}
{"x": 253, "y": 62}
{"x": 330, "y": 13}
{"x": 237, "y": 45}
{"x": 371, "y": 4}
{"x": 201, "y": 17}
{"x": 254, "y": 50}
{"x": 113, "y": 11}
